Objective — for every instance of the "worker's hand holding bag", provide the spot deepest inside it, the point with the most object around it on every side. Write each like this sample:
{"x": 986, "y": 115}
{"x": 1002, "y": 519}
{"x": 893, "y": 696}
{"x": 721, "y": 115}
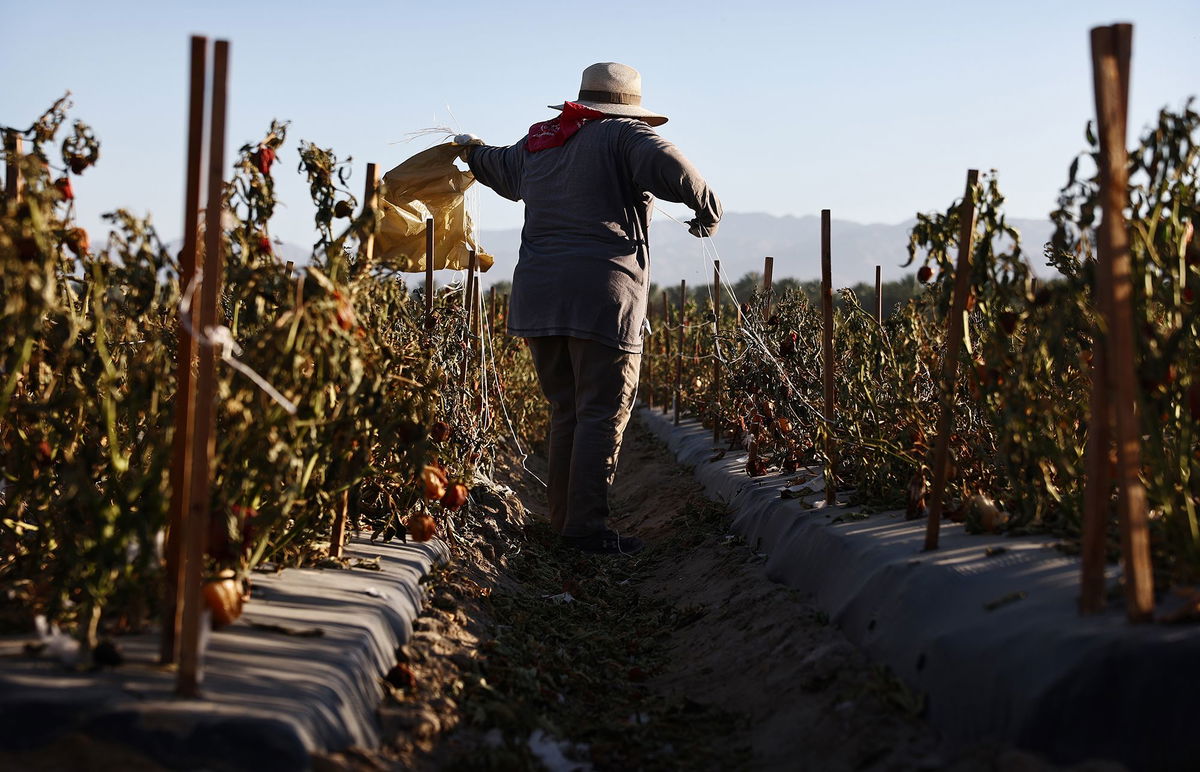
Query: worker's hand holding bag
{"x": 466, "y": 141}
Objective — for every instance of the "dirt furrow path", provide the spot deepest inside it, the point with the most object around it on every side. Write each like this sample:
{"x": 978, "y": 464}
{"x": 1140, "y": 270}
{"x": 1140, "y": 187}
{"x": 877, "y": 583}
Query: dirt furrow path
{"x": 804, "y": 697}
{"x": 684, "y": 657}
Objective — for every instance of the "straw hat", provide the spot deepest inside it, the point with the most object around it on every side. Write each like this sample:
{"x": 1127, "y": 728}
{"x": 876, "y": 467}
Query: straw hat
{"x": 616, "y": 90}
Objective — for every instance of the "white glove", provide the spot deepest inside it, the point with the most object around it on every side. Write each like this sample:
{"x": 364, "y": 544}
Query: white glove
{"x": 467, "y": 139}
{"x": 700, "y": 231}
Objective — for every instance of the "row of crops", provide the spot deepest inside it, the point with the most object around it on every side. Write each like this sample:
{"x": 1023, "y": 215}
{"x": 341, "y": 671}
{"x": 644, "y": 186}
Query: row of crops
{"x": 397, "y": 413}
{"x": 391, "y": 410}
{"x": 1021, "y": 409}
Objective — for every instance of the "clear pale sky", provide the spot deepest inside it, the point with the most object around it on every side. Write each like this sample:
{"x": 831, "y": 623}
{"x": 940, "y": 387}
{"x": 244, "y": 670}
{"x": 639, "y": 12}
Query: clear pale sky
{"x": 871, "y": 109}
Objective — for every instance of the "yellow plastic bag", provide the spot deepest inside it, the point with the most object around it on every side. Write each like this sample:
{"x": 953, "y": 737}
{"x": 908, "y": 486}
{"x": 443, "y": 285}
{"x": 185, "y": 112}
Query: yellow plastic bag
{"x": 427, "y": 185}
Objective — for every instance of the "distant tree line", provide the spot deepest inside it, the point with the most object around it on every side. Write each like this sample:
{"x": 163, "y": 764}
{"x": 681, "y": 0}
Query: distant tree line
{"x": 894, "y": 292}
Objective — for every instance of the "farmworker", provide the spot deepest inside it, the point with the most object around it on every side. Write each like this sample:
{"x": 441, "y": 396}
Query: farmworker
{"x": 580, "y": 290}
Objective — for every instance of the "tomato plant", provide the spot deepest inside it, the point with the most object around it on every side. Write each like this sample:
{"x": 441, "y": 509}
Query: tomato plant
{"x": 327, "y": 394}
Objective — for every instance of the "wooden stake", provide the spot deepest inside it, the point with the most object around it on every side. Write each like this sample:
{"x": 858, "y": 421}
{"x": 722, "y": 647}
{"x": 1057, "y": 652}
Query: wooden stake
{"x": 1097, "y": 494}
{"x": 716, "y": 380}
{"x": 475, "y": 315}
{"x": 491, "y": 307}
{"x": 204, "y": 447}
{"x": 768, "y": 285}
{"x": 14, "y": 147}
{"x": 469, "y": 307}
{"x": 648, "y": 355}
{"x": 827, "y": 358}
{"x": 185, "y": 358}
{"x": 679, "y": 351}
{"x": 468, "y": 283}
{"x": 954, "y": 339}
{"x": 666, "y": 315}
{"x": 1111, "y": 50}
{"x": 429, "y": 273}
{"x": 879, "y": 294}
{"x": 337, "y": 534}
{"x": 366, "y": 250}
{"x": 366, "y": 254}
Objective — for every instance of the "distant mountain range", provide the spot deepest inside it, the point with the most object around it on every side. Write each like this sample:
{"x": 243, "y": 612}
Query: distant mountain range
{"x": 742, "y": 242}
{"x": 744, "y": 239}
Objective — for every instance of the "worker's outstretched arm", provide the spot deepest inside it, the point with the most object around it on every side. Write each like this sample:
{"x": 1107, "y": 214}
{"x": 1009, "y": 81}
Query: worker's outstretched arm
{"x": 660, "y": 169}
{"x": 497, "y": 167}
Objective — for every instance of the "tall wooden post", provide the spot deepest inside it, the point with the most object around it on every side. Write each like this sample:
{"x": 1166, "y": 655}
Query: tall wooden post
{"x": 429, "y": 258}
{"x": 14, "y": 147}
{"x": 469, "y": 307}
{"x": 185, "y": 358}
{"x": 666, "y": 316}
{"x": 204, "y": 447}
{"x": 472, "y": 295}
{"x": 827, "y": 352}
{"x": 366, "y": 254}
{"x": 1111, "y": 50}
{"x": 466, "y": 292}
{"x": 679, "y": 348}
{"x": 476, "y": 310}
{"x": 879, "y": 294}
{"x": 716, "y": 379}
{"x": 337, "y": 534}
{"x": 648, "y": 354}
{"x": 366, "y": 249}
{"x": 949, "y": 381}
{"x": 767, "y": 285}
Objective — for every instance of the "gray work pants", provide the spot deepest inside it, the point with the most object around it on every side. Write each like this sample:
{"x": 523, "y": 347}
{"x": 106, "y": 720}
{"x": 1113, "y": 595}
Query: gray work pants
{"x": 590, "y": 387}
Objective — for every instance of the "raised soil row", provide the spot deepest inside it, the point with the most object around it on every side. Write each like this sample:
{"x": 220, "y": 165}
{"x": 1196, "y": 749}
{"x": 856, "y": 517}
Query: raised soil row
{"x": 986, "y": 627}
{"x": 298, "y": 673}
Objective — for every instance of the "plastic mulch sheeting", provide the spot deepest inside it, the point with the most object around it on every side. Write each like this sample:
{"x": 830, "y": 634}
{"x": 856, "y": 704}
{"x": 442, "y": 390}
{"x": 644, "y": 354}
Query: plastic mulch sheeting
{"x": 986, "y": 627}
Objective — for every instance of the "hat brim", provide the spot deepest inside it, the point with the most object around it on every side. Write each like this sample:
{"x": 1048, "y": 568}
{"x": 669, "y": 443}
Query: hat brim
{"x": 621, "y": 111}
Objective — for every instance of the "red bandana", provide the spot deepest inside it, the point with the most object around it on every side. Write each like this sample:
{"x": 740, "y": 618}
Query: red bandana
{"x": 556, "y": 131}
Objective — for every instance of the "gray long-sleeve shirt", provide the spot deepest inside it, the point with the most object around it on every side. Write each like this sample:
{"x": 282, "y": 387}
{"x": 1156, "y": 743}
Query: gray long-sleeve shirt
{"x": 584, "y": 265}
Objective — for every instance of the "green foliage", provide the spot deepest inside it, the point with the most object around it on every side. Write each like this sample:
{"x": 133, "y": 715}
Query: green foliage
{"x": 1021, "y": 402}
{"x": 1163, "y": 213}
{"x": 88, "y": 346}
{"x": 88, "y": 340}
{"x": 86, "y": 343}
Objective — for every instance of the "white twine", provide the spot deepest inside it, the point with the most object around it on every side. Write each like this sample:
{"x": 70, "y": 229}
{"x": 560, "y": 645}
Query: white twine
{"x": 221, "y": 338}
{"x": 487, "y": 351}
{"x": 491, "y": 349}
{"x": 483, "y": 372}
{"x": 749, "y": 327}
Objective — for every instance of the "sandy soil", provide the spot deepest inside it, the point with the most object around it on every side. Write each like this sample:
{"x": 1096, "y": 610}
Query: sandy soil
{"x": 810, "y": 699}
{"x": 753, "y": 669}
